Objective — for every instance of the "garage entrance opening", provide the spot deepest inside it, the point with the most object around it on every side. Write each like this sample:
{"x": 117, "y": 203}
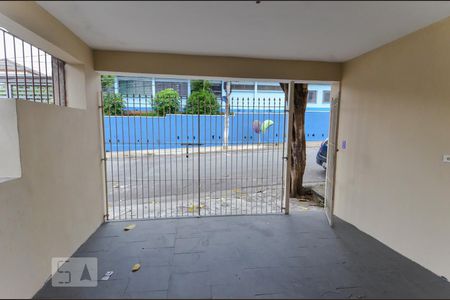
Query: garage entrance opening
{"x": 193, "y": 148}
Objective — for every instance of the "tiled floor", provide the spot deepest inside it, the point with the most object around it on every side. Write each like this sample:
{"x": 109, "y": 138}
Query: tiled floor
{"x": 249, "y": 257}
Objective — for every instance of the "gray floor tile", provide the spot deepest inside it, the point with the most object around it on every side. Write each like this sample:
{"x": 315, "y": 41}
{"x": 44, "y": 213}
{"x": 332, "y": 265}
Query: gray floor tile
{"x": 226, "y": 274}
{"x": 190, "y": 285}
{"x": 189, "y": 245}
{"x": 105, "y": 289}
{"x": 222, "y": 255}
{"x": 157, "y": 257}
{"x": 236, "y": 290}
{"x": 190, "y": 262}
{"x": 149, "y": 279}
{"x": 295, "y": 256}
{"x": 129, "y": 294}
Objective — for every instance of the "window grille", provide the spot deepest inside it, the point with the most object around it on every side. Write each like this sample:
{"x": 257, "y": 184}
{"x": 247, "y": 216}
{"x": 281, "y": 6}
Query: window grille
{"x": 29, "y": 73}
{"x": 326, "y": 97}
{"x": 134, "y": 87}
{"x": 180, "y": 87}
{"x": 242, "y": 87}
{"x": 312, "y": 97}
{"x": 267, "y": 87}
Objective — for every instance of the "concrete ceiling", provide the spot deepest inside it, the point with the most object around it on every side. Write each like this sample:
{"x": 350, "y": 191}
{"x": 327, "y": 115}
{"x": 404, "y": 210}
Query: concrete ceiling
{"x": 326, "y": 31}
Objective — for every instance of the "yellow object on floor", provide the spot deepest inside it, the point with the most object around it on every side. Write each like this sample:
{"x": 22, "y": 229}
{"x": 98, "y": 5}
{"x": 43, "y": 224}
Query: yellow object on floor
{"x": 129, "y": 227}
{"x": 135, "y": 267}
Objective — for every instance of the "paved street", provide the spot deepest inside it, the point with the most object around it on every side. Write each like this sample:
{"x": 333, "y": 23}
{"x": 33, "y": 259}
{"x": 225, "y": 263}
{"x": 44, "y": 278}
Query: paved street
{"x": 174, "y": 178}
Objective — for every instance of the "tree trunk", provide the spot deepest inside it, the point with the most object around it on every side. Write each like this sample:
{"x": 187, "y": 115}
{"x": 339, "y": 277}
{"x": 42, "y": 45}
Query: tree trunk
{"x": 227, "y": 114}
{"x": 298, "y": 146}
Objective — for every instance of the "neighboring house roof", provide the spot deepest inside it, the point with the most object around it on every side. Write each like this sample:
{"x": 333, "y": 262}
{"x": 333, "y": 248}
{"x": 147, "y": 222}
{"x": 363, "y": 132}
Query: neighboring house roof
{"x": 10, "y": 65}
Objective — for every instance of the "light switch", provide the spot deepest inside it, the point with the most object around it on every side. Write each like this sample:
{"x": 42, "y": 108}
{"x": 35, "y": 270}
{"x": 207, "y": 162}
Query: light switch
{"x": 446, "y": 158}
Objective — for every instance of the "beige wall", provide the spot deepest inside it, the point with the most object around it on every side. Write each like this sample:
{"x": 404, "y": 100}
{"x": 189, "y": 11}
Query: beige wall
{"x": 395, "y": 116}
{"x": 9, "y": 146}
{"x": 215, "y": 66}
{"x": 58, "y": 202}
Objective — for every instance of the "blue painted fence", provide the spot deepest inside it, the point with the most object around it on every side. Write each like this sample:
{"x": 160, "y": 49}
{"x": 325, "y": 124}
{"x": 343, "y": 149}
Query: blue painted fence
{"x": 175, "y": 131}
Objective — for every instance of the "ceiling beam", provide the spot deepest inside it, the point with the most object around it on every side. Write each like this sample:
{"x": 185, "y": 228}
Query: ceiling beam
{"x": 215, "y": 66}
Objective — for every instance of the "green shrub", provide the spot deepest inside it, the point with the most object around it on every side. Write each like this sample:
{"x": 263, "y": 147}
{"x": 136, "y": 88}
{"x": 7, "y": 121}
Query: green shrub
{"x": 167, "y": 102}
{"x": 113, "y": 104}
{"x": 202, "y": 102}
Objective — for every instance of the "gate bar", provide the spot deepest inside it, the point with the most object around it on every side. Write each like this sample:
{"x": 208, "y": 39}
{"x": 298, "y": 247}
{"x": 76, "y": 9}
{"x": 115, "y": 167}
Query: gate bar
{"x": 103, "y": 159}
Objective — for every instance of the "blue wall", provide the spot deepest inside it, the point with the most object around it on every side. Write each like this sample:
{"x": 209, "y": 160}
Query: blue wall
{"x": 137, "y": 132}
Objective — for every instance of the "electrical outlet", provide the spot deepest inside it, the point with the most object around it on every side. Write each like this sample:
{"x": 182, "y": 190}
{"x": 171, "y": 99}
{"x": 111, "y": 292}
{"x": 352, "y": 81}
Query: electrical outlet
{"x": 446, "y": 158}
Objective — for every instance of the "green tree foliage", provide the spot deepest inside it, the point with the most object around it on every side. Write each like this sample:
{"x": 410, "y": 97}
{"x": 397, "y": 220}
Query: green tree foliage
{"x": 167, "y": 102}
{"x": 200, "y": 85}
{"x": 113, "y": 104}
{"x": 107, "y": 83}
{"x": 202, "y": 102}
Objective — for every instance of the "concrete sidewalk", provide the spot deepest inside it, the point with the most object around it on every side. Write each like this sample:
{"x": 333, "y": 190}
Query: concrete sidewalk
{"x": 201, "y": 150}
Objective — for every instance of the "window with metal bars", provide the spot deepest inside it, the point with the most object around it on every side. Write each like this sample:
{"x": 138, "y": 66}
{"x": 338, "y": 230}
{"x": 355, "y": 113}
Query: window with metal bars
{"x": 267, "y": 87}
{"x": 242, "y": 87}
{"x": 180, "y": 87}
{"x": 29, "y": 73}
{"x": 326, "y": 97}
{"x": 312, "y": 97}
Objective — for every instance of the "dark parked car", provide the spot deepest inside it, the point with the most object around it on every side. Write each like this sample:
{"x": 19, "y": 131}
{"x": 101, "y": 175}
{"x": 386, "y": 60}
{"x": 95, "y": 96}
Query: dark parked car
{"x": 321, "y": 157}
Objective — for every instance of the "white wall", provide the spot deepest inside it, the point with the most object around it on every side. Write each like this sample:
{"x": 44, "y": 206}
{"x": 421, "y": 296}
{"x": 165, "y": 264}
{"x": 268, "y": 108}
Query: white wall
{"x": 395, "y": 116}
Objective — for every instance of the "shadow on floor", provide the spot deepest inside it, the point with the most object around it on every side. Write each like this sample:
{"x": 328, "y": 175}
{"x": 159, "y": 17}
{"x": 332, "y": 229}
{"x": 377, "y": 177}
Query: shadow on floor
{"x": 275, "y": 256}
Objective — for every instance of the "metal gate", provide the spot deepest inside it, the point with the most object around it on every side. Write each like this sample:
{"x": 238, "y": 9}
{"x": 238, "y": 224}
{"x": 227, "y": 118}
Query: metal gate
{"x": 194, "y": 158}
